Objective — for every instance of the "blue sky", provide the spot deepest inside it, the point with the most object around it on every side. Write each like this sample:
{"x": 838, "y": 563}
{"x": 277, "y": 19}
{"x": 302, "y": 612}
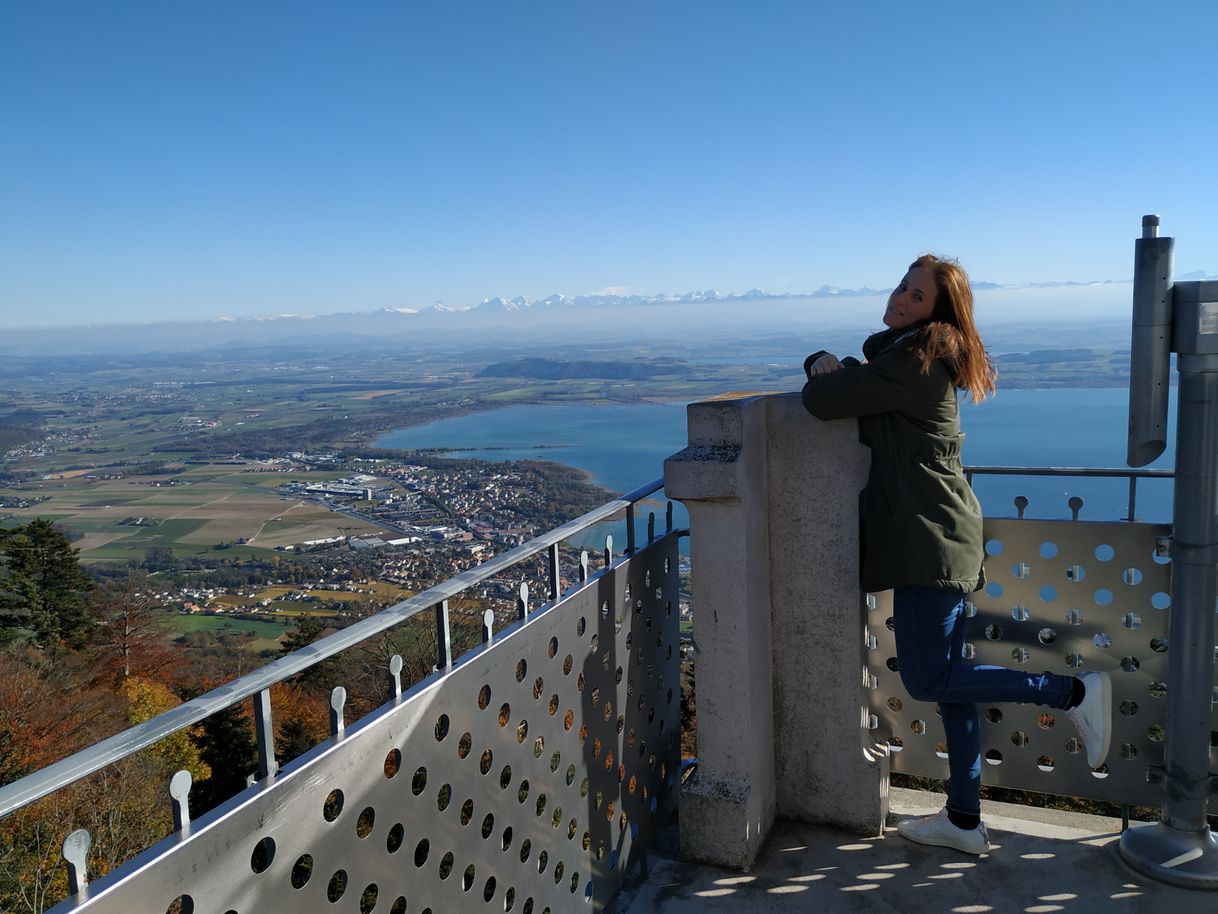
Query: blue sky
{"x": 177, "y": 160}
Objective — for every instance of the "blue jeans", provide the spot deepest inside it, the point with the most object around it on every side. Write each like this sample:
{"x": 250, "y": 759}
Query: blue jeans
{"x": 930, "y": 626}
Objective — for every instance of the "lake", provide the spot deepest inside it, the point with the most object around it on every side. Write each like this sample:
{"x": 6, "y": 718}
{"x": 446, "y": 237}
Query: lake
{"x": 624, "y": 446}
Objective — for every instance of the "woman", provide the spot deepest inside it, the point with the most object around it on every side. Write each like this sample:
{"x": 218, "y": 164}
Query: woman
{"x": 921, "y": 527}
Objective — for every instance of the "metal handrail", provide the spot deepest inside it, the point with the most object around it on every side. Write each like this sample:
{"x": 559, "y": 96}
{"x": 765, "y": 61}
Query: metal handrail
{"x": 1133, "y": 475}
{"x": 1119, "y": 472}
{"x": 67, "y": 771}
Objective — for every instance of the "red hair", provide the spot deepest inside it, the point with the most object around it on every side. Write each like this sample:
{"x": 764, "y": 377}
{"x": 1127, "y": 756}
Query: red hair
{"x": 951, "y": 334}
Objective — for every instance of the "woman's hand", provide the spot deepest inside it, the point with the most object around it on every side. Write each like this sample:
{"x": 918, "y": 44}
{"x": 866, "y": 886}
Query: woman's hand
{"x": 826, "y": 364}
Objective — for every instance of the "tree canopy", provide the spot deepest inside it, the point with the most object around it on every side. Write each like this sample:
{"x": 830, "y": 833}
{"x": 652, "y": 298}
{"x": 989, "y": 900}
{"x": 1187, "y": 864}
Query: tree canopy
{"x": 43, "y": 589}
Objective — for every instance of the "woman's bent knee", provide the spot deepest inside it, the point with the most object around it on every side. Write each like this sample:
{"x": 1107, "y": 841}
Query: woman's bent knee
{"x": 921, "y": 688}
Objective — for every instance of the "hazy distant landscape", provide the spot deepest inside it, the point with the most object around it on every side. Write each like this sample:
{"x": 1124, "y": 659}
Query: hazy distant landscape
{"x": 76, "y": 427}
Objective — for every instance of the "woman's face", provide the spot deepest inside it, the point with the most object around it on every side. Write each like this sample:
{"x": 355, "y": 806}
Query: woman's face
{"x": 912, "y": 300}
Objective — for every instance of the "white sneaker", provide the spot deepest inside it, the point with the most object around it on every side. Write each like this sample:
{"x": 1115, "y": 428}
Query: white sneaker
{"x": 940, "y": 832}
{"x": 1093, "y": 718}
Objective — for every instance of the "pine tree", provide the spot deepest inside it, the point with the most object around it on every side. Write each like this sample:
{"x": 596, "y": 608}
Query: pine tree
{"x": 43, "y": 589}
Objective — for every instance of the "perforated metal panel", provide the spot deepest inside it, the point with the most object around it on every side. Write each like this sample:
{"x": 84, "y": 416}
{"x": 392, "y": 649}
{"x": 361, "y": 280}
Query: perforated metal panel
{"x": 1066, "y": 596}
{"x": 527, "y": 779}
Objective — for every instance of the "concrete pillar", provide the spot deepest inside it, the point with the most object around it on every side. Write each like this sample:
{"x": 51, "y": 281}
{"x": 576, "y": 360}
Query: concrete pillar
{"x": 772, "y": 495}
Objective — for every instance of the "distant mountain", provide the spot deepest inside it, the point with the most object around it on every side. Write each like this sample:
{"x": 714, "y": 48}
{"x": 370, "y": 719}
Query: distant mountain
{"x": 486, "y": 317}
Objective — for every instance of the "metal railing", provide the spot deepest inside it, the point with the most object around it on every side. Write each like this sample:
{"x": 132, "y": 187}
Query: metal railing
{"x": 1133, "y": 475}
{"x": 1060, "y": 595}
{"x": 475, "y": 786}
{"x": 257, "y": 684}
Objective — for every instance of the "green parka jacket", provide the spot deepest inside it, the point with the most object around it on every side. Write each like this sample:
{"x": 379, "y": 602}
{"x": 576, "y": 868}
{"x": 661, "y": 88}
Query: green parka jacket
{"x": 921, "y": 523}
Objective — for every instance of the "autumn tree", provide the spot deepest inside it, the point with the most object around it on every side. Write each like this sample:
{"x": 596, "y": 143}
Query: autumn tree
{"x": 128, "y": 632}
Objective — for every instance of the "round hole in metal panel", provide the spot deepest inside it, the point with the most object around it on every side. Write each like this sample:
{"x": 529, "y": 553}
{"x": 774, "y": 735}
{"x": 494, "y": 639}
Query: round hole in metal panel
{"x": 506, "y": 840}
{"x": 993, "y": 632}
{"x": 1073, "y": 745}
{"x": 393, "y": 761}
{"x": 464, "y": 744}
{"x": 1102, "y": 640}
{"x": 1132, "y": 576}
{"x": 1160, "y": 599}
{"x": 367, "y": 900}
{"x": 1128, "y": 707}
{"x": 337, "y": 887}
{"x": 484, "y": 763}
{"x": 522, "y": 668}
{"x": 1045, "y": 763}
{"x": 183, "y": 904}
{"x": 363, "y": 825}
{"x": 467, "y": 878}
{"x": 1103, "y": 597}
{"x": 1155, "y": 733}
{"x": 419, "y": 782}
{"x": 1158, "y": 645}
{"x": 1104, "y": 552}
{"x": 302, "y": 870}
{"x": 446, "y": 865}
{"x": 894, "y": 704}
{"x": 526, "y": 848}
{"x": 488, "y": 890}
{"x": 568, "y": 663}
{"x": 393, "y": 841}
{"x": 1157, "y": 689}
{"x": 993, "y": 547}
{"x": 484, "y": 697}
{"x": 522, "y": 731}
{"x": 467, "y": 812}
{"x": 505, "y": 714}
{"x": 522, "y": 792}
{"x": 333, "y": 805}
{"x": 264, "y": 853}
{"x": 1047, "y": 550}
{"x": 443, "y": 797}
{"x": 993, "y": 757}
{"x": 398, "y": 906}
{"x": 1020, "y": 613}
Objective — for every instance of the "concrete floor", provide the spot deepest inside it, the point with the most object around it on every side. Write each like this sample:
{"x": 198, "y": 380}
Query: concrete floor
{"x": 1043, "y": 861}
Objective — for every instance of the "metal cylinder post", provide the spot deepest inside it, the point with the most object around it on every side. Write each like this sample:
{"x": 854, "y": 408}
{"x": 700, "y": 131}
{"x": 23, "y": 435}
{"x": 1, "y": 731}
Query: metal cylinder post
{"x": 1181, "y": 849}
{"x": 1150, "y": 349}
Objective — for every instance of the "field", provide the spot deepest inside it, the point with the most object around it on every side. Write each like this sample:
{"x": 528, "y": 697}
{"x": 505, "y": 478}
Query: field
{"x": 259, "y": 635}
{"x": 206, "y": 512}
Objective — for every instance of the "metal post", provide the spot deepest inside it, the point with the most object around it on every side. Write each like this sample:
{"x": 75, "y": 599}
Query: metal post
{"x": 76, "y": 855}
{"x": 555, "y": 571}
{"x": 630, "y": 529}
{"x": 263, "y": 729}
{"x": 1181, "y": 849}
{"x": 179, "y": 792}
{"x": 338, "y": 700}
{"x": 522, "y": 602}
{"x": 444, "y": 646}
